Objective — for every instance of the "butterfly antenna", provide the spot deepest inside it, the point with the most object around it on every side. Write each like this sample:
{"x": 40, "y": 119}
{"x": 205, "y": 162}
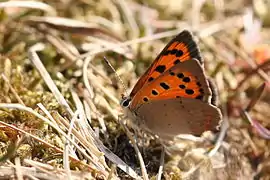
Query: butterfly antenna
{"x": 116, "y": 75}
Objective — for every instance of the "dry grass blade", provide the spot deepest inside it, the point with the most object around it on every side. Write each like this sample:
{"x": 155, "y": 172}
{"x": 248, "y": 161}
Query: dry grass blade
{"x": 265, "y": 133}
{"x": 7, "y": 74}
{"x": 253, "y": 72}
{"x": 257, "y": 95}
{"x": 67, "y": 147}
{"x": 72, "y": 26}
{"x": 48, "y": 172}
{"x": 221, "y": 137}
{"x": 97, "y": 84}
{"x": 129, "y": 16}
{"x": 63, "y": 48}
{"x": 29, "y": 4}
{"x": 160, "y": 169}
{"x": 18, "y": 170}
{"x": 208, "y": 31}
{"x": 88, "y": 132}
{"x": 45, "y": 143}
{"x": 50, "y": 83}
{"x": 12, "y": 89}
{"x": 47, "y": 78}
{"x": 85, "y": 76}
{"x": 115, "y": 159}
{"x": 135, "y": 41}
{"x": 90, "y": 147}
{"x": 139, "y": 155}
{"x": 20, "y": 107}
{"x": 35, "y": 173}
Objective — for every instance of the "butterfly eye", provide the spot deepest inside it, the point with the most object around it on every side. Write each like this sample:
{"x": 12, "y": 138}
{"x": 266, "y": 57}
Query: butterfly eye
{"x": 125, "y": 102}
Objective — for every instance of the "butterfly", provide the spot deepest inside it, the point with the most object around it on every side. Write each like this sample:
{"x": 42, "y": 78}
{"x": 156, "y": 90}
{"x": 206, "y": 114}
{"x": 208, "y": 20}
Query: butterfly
{"x": 174, "y": 96}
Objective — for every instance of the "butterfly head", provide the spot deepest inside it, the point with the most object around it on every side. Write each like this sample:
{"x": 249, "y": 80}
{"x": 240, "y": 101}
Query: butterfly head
{"x": 125, "y": 102}
{"x": 130, "y": 114}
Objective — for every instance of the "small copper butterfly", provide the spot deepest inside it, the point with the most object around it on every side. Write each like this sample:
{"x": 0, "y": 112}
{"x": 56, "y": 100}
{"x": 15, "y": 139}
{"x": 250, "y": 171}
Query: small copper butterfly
{"x": 174, "y": 96}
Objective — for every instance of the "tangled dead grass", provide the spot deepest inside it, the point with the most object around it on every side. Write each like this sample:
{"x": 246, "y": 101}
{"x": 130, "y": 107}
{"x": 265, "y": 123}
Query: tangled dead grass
{"x": 59, "y": 100}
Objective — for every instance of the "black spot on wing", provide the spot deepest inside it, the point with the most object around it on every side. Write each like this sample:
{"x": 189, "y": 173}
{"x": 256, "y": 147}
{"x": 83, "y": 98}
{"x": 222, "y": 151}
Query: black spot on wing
{"x": 186, "y": 79}
{"x": 166, "y": 53}
{"x": 154, "y": 92}
{"x": 174, "y": 51}
{"x": 182, "y": 86}
{"x": 160, "y": 68}
{"x": 164, "y": 86}
{"x": 179, "y": 53}
{"x": 176, "y": 61}
{"x": 145, "y": 99}
{"x": 189, "y": 91}
{"x": 150, "y": 79}
{"x": 171, "y": 73}
{"x": 180, "y": 75}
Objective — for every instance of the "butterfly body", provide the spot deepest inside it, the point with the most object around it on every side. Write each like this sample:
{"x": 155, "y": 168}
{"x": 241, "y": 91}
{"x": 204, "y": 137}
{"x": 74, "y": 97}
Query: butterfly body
{"x": 174, "y": 96}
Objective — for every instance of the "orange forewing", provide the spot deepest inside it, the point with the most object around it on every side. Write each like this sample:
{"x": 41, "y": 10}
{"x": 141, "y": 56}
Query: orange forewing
{"x": 185, "y": 80}
{"x": 179, "y": 49}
